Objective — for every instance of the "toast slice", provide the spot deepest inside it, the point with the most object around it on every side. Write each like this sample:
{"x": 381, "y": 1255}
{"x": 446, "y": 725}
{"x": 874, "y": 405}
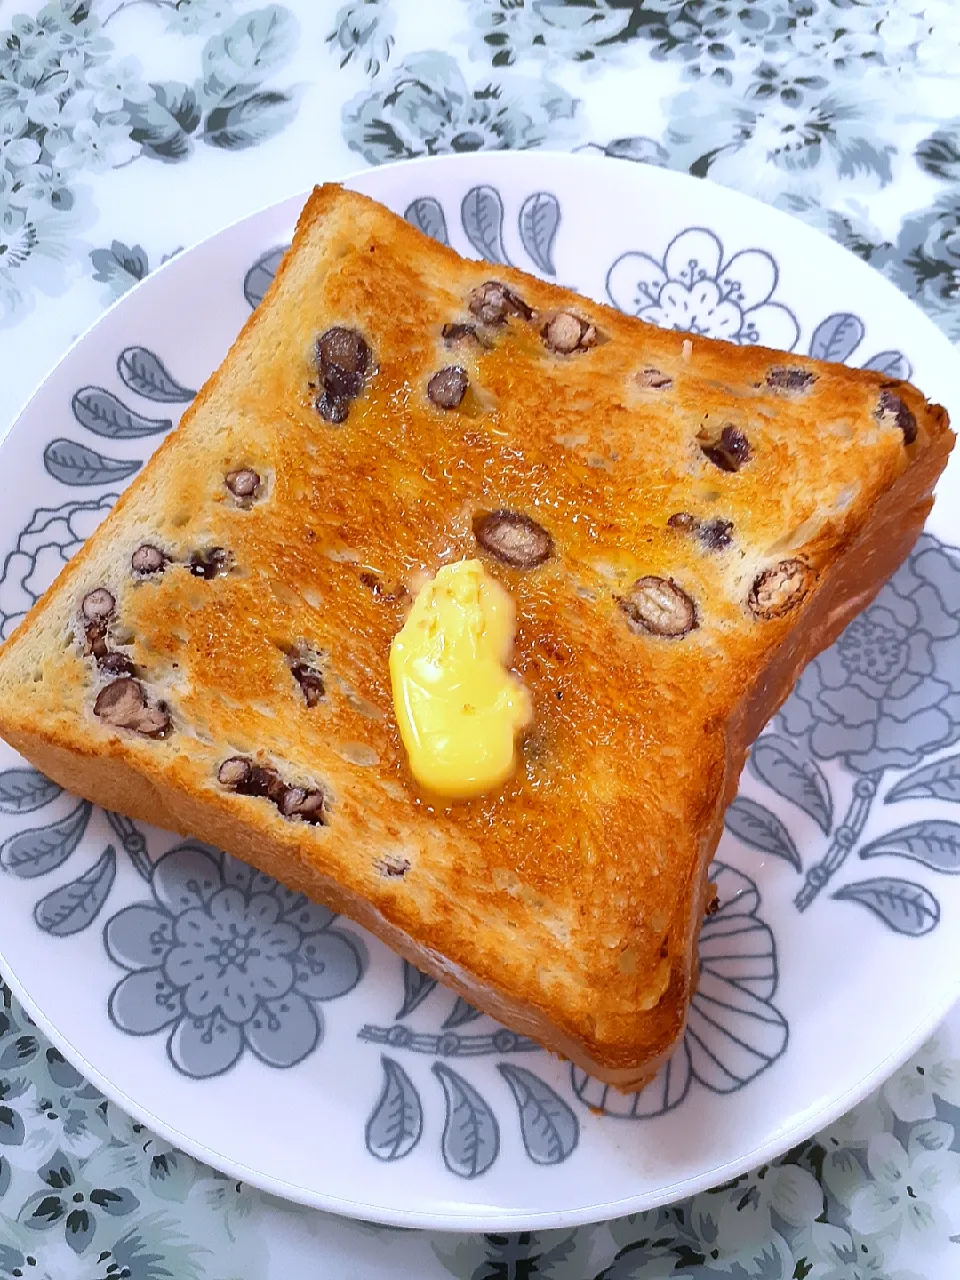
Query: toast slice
{"x": 682, "y": 524}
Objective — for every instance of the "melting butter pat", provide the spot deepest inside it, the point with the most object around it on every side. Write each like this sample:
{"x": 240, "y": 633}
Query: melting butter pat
{"x": 458, "y": 706}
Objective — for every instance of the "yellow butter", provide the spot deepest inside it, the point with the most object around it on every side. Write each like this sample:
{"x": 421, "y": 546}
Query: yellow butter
{"x": 458, "y": 706}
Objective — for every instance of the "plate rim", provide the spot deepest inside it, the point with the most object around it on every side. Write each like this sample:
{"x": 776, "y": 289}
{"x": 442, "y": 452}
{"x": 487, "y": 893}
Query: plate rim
{"x": 499, "y": 1218}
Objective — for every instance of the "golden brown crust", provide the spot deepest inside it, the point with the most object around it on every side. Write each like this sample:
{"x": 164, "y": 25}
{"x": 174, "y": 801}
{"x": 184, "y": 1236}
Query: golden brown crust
{"x": 568, "y": 904}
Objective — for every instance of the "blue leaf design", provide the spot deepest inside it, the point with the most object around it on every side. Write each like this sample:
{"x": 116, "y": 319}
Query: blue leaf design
{"x": 244, "y": 53}
{"x": 539, "y": 220}
{"x": 62, "y": 1073}
{"x": 549, "y": 1127}
{"x": 426, "y": 214}
{"x": 471, "y": 1135}
{"x": 12, "y": 1131}
{"x": 837, "y": 337}
{"x": 460, "y": 1015}
{"x": 416, "y": 987}
{"x": 102, "y": 413}
{"x": 246, "y": 123}
{"x": 162, "y": 126}
{"x": 482, "y": 215}
{"x": 902, "y": 905}
{"x": 42, "y": 849}
{"x": 791, "y": 773}
{"x": 933, "y": 843}
{"x": 76, "y": 905}
{"x": 5, "y": 1175}
{"x": 396, "y": 1122}
{"x": 23, "y": 790}
{"x": 260, "y": 276}
{"x": 939, "y": 781}
{"x": 757, "y": 827}
{"x": 75, "y": 464}
{"x": 147, "y": 375}
{"x": 893, "y": 363}
{"x": 117, "y": 1201}
{"x": 17, "y": 1053}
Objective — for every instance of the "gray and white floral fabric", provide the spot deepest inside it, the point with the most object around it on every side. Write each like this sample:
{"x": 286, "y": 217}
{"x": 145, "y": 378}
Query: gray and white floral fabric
{"x": 132, "y": 128}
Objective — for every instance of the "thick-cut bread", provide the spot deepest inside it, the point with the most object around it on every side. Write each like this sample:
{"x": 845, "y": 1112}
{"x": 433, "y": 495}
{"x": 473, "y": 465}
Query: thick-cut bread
{"x": 715, "y": 516}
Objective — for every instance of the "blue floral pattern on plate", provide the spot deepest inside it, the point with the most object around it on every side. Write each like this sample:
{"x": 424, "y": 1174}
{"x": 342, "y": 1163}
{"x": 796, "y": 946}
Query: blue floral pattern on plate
{"x": 226, "y": 959}
{"x": 696, "y": 287}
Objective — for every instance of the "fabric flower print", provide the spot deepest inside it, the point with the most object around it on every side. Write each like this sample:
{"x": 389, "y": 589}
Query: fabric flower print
{"x": 926, "y": 262}
{"x": 739, "y": 1240}
{"x": 225, "y": 959}
{"x": 363, "y": 26}
{"x": 426, "y": 108}
{"x": 75, "y": 1201}
{"x": 695, "y": 288}
{"x": 913, "y": 1192}
{"x": 929, "y": 1075}
{"x": 116, "y": 83}
{"x": 888, "y": 692}
{"x": 783, "y": 146}
{"x": 829, "y": 1252}
{"x": 551, "y": 29}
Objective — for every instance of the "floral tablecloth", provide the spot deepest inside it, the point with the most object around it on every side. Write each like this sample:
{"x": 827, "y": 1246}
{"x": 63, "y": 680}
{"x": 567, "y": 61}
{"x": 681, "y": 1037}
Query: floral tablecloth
{"x": 132, "y": 128}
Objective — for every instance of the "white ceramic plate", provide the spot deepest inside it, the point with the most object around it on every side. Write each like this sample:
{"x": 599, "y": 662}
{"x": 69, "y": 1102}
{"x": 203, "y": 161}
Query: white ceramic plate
{"x": 364, "y": 1088}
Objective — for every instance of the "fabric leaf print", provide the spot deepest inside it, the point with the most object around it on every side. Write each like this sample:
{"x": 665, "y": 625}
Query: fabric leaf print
{"x": 76, "y": 905}
{"x": 416, "y": 987}
{"x": 481, "y": 212}
{"x": 426, "y": 214}
{"x": 163, "y": 124}
{"x": 147, "y": 375}
{"x": 116, "y": 1201}
{"x": 102, "y": 413}
{"x": 940, "y": 154}
{"x": 261, "y": 276}
{"x": 75, "y": 464}
{"x": 42, "y": 1210}
{"x": 120, "y": 267}
{"x": 837, "y": 337}
{"x": 23, "y": 790}
{"x": 460, "y": 1015}
{"x": 80, "y": 1229}
{"x": 252, "y": 120}
{"x": 396, "y": 1123}
{"x": 549, "y": 1127}
{"x": 902, "y": 905}
{"x": 12, "y": 1130}
{"x": 893, "y": 363}
{"x": 471, "y": 1135}
{"x": 792, "y": 774}
{"x": 36, "y": 852}
{"x": 17, "y": 1054}
{"x": 757, "y": 827}
{"x": 539, "y": 221}
{"x": 935, "y": 844}
{"x": 252, "y": 47}
{"x": 938, "y": 781}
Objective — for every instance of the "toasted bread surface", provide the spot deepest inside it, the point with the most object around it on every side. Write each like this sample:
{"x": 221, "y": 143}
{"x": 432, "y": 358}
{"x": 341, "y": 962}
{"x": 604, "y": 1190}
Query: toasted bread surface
{"x": 568, "y": 903}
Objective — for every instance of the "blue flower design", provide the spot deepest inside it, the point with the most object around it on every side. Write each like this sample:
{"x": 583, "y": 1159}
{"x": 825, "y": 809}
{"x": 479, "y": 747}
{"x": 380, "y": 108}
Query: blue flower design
{"x": 52, "y": 535}
{"x": 696, "y": 288}
{"x": 888, "y": 692}
{"x": 226, "y": 958}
